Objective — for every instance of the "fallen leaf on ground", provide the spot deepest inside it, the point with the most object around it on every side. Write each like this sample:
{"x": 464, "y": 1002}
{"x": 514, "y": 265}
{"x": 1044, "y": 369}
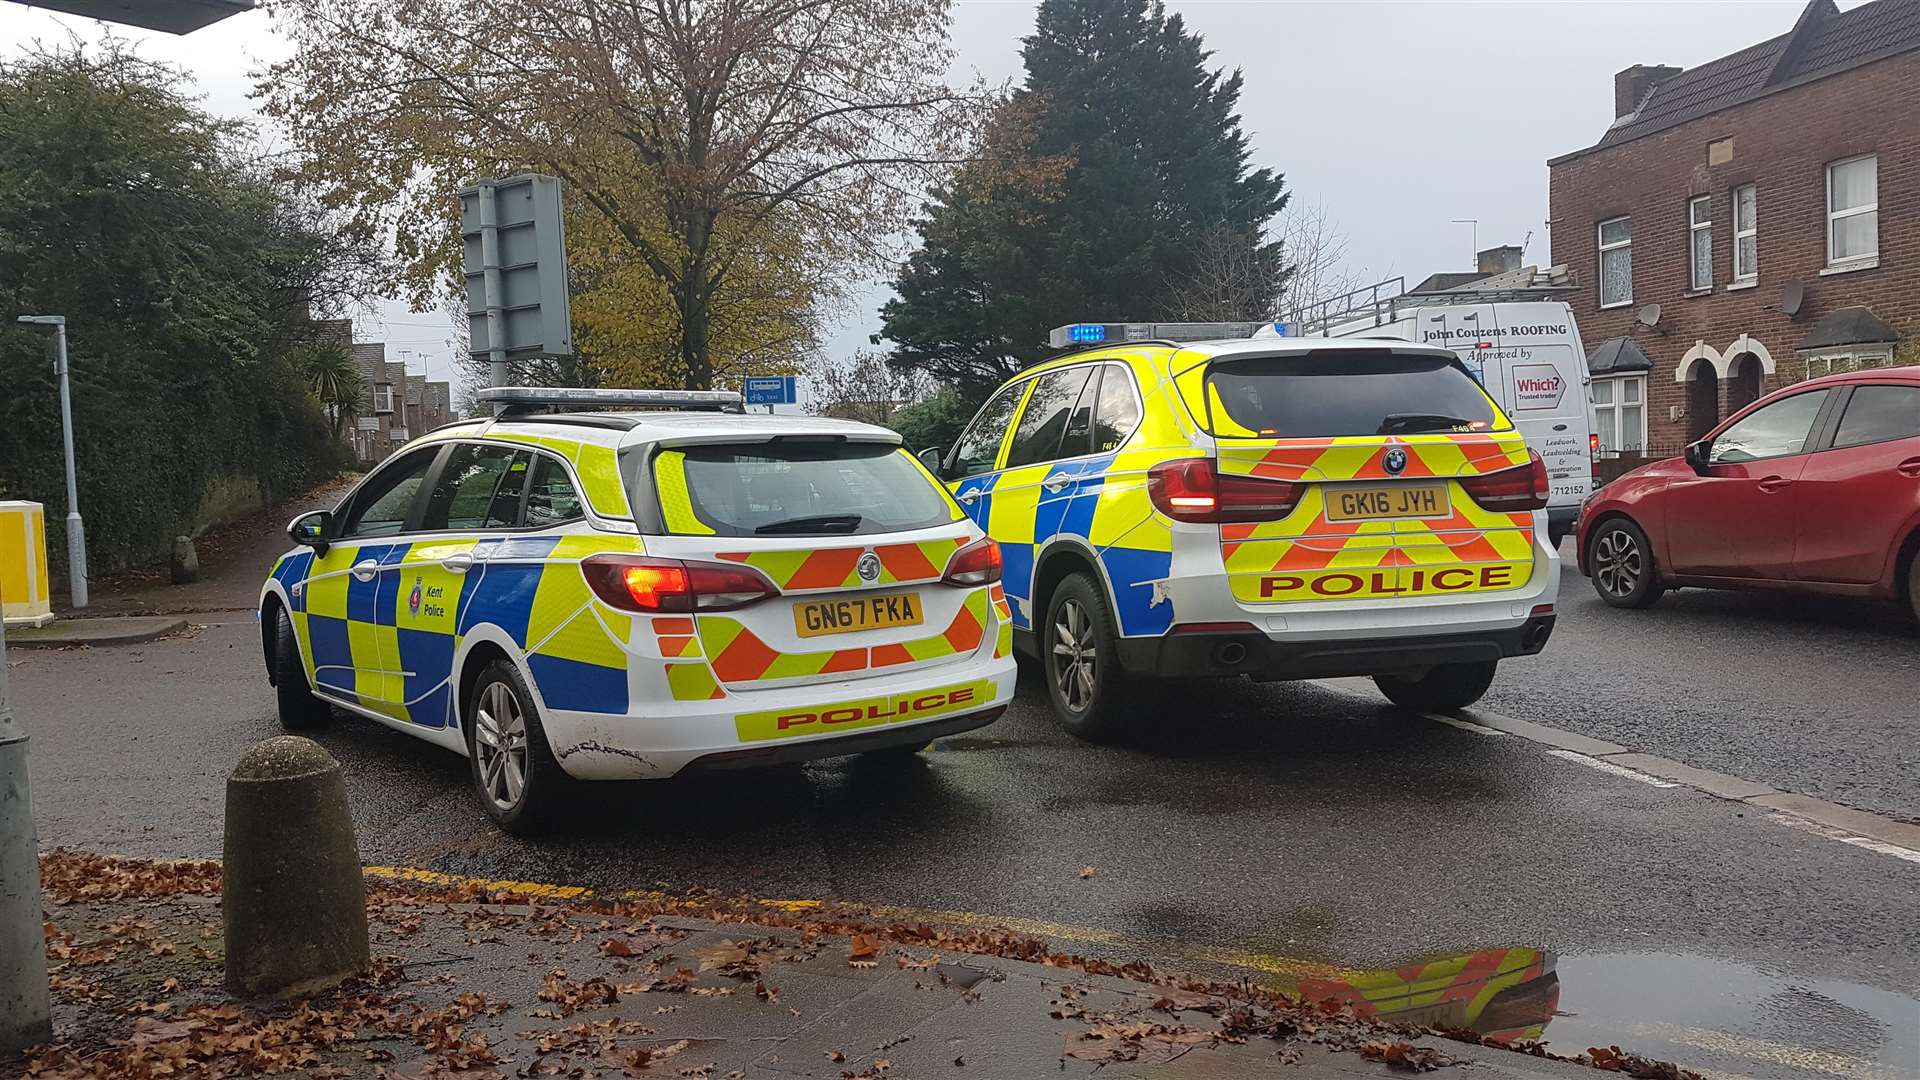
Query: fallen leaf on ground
{"x": 1404, "y": 1056}
{"x": 1088, "y": 871}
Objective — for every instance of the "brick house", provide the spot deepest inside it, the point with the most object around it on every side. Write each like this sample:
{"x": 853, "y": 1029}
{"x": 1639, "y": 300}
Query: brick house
{"x": 1747, "y": 223}
{"x": 399, "y": 406}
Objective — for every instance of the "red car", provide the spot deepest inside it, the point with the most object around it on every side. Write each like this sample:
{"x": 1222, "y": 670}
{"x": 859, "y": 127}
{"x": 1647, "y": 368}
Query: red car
{"x": 1814, "y": 488}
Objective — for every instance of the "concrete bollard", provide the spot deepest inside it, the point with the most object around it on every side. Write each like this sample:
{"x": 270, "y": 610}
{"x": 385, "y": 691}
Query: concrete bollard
{"x": 293, "y": 899}
{"x": 185, "y": 564}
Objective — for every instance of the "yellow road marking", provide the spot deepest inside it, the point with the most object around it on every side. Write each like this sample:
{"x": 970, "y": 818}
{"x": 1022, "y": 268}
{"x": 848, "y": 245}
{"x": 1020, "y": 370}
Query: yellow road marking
{"x": 1287, "y": 967}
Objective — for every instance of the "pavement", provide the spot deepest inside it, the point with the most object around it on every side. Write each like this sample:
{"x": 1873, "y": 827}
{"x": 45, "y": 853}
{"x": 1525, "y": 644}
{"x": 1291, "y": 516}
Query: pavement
{"x": 1265, "y": 833}
{"x": 108, "y": 630}
{"x": 139, "y": 606}
{"x": 483, "y": 990}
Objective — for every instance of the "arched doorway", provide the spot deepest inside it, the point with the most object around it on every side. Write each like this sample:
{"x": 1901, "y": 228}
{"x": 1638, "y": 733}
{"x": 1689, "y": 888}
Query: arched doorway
{"x": 1703, "y": 400}
{"x": 1744, "y": 385}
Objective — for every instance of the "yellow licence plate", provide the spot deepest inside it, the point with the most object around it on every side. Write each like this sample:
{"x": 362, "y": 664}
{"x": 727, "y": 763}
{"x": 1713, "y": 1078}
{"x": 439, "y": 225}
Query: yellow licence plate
{"x": 812, "y": 618}
{"x": 1384, "y": 501}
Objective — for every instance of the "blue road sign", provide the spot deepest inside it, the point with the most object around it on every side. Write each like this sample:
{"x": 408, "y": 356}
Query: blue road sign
{"x": 772, "y": 390}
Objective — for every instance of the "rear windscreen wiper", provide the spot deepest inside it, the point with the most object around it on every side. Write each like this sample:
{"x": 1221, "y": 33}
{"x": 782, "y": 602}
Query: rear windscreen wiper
{"x": 1402, "y": 423}
{"x": 821, "y": 522}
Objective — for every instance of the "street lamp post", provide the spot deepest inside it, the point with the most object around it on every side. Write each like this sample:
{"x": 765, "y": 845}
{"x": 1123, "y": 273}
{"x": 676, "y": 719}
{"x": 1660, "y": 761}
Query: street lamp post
{"x": 76, "y": 529}
{"x": 25, "y": 1016}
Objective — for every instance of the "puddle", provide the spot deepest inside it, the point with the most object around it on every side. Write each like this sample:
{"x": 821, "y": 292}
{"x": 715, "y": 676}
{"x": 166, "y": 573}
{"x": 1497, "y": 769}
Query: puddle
{"x": 1729, "y": 1020}
{"x": 1722, "y": 1019}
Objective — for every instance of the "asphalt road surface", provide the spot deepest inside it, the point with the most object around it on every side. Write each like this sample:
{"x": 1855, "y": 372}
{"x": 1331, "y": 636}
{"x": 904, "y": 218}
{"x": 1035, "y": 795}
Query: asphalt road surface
{"x": 1261, "y": 831}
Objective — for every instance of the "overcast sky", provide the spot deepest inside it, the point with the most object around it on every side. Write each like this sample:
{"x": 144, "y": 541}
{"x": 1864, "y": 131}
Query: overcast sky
{"x": 1395, "y": 117}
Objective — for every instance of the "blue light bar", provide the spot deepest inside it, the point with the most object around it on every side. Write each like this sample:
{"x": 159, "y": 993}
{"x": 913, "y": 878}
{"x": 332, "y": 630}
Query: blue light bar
{"x": 1084, "y": 333}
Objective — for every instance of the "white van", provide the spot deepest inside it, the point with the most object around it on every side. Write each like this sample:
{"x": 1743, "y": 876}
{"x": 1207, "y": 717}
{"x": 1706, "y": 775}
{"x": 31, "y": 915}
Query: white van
{"x": 1527, "y": 353}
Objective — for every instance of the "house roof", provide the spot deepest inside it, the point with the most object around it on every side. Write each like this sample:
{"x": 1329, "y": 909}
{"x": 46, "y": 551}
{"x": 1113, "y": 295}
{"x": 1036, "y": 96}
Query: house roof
{"x": 1848, "y": 326}
{"x": 1824, "y": 41}
{"x": 1617, "y": 355}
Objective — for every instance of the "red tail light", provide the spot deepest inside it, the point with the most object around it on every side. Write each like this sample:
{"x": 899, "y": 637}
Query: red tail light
{"x": 1523, "y": 487}
{"x": 1192, "y": 489}
{"x": 976, "y": 564}
{"x": 1593, "y": 448}
{"x": 636, "y": 583}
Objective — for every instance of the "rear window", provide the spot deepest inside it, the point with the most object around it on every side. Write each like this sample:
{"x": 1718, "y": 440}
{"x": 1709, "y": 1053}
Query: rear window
{"x": 808, "y": 489}
{"x": 1322, "y": 395}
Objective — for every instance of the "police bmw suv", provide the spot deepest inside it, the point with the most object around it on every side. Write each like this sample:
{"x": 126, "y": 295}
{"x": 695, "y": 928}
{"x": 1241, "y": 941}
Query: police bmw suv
{"x": 1277, "y": 508}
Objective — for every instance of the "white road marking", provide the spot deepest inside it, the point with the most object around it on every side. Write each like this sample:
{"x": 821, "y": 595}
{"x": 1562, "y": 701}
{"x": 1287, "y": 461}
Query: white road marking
{"x": 1464, "y": 725}
{"x": 1878, "y": 846}
{"x": 1610, "y": 767}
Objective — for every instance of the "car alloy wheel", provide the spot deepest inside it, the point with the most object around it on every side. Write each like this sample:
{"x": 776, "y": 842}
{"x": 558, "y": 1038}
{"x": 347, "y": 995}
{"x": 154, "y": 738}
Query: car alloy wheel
{"x": 1074, "y": 655}
{"x": 500, "y": 740}
{"x": 1618, "y": 563}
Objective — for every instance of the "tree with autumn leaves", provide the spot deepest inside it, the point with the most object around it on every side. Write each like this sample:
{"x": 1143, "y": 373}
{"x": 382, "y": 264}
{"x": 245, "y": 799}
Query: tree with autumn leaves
{"x": 729, "y": 167}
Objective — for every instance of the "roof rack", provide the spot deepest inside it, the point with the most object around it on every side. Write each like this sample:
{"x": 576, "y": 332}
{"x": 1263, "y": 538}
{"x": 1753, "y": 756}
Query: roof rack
{"x": 1383, "y": 301}
{"x": 522, "y": 400}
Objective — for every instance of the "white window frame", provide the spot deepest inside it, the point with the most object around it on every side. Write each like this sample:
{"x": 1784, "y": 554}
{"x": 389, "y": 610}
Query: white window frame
{"x": 1695, "y": 226}
{"x": 1746, "y": 273}
{"x": 1600, "y": 257}
{"x": 1854, "y": 211}
{"x": 1630, "y": 443}
{"x": 382, "y": 398}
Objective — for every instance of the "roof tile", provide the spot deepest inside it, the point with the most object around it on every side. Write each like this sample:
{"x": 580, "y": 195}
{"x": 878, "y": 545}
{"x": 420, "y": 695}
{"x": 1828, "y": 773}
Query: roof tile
{"x": 1831, "y": 42}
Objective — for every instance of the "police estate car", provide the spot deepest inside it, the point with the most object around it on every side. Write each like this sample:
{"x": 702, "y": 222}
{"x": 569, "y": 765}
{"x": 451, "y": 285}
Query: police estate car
{"x": 612, "y": 595}
{"x": 1279, "y": 508}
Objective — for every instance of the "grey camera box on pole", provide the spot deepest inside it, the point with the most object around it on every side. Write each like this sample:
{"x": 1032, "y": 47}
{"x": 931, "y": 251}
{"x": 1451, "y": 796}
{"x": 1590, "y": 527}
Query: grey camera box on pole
{"x": 515, "y": 259}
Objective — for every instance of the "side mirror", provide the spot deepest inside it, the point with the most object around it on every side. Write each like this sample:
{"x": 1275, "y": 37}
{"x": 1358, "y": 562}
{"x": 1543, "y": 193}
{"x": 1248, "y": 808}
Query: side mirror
{"x": 1697, "y": 456}
{"x": 935, "y": 461}
{"x": 310, "y": 530}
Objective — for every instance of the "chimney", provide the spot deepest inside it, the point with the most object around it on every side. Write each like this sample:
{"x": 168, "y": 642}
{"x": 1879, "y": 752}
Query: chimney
{"x": 1499, "y": 260}
{"x": 1631, "y": 85}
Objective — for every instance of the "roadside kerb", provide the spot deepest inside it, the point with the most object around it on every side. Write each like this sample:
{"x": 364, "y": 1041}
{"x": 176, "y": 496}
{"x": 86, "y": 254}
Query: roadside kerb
{"x": 98, "y": 630}
{"x": 1860, "y": 823}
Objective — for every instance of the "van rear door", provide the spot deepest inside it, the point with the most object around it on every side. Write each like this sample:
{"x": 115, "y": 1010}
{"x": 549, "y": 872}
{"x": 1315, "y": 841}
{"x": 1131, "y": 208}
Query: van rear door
{"x": 1529, "y": 357}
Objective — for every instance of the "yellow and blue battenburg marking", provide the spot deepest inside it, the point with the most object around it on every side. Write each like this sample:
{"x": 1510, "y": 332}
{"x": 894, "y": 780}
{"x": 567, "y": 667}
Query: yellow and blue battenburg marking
{"x": 388, "y": 643}
{"x": 1105, "y": 503}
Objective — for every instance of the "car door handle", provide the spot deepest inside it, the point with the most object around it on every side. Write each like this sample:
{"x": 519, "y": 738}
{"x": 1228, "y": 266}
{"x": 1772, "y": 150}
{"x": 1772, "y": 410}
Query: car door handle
{"x": 364, "y": 570}
{"x": 969, "y": 496}
{"x": 1775, "y": 483}
{"x": 1909, "y": 467}
{"x": 457, "y": 563}
{"x": 1056, "y": 483}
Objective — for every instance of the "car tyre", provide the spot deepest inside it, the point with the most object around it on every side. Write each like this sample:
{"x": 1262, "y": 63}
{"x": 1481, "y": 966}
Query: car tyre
{"x": 1079, "y": 658}
{"x": 1913, "y": 587}
{"x": 300, "y": 710}
{"x": 519, "y": 784}
{"x": 1621, "y": 563}
{"x": 1442, "y": 688}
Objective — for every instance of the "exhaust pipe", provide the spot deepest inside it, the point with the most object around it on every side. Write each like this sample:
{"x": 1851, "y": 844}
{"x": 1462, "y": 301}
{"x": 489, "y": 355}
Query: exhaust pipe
{"x": 1229, "y": 654}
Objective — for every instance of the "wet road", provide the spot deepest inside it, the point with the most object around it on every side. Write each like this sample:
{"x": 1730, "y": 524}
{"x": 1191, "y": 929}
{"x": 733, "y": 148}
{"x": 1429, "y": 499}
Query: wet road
{"x": 1264, "y": 831}
{"x": 1810, "y": 694}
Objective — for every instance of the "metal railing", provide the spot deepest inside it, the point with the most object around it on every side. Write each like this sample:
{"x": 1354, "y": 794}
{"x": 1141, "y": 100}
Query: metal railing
{"x": 1382, "y": 302}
